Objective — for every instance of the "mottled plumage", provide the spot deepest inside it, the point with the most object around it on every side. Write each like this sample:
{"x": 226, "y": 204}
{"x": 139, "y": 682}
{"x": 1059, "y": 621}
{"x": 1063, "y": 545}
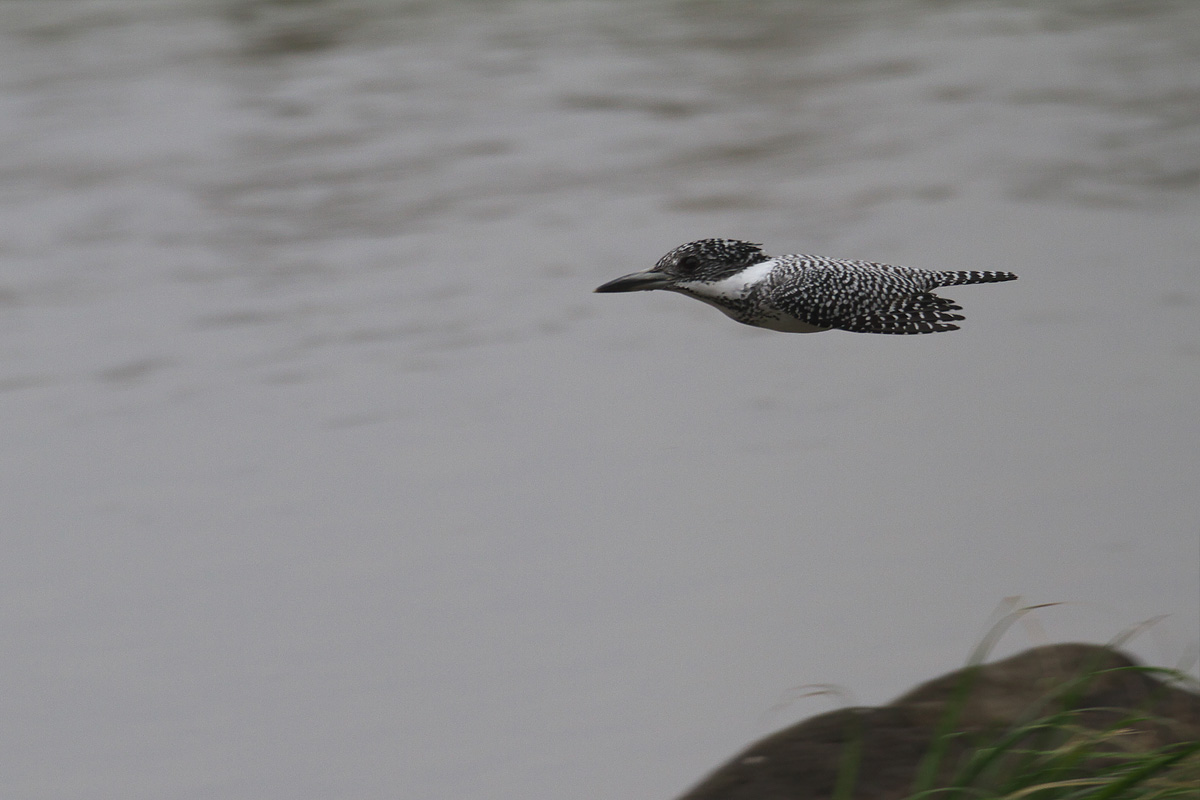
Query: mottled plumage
{"x": 804, "y": 294}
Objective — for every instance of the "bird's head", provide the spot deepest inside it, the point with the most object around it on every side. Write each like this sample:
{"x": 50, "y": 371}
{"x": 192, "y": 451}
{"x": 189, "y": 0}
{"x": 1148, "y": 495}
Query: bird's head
{"x": 705, "y": 261}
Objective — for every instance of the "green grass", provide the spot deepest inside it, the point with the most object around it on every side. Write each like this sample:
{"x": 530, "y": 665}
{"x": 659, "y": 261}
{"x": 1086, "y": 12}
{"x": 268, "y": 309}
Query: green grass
{"x": 1054, "y": 754}
{"x": 1058, "y": 757}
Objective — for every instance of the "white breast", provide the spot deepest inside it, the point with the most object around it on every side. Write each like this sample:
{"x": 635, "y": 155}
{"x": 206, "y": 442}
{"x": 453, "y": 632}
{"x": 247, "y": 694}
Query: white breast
{"x": 738, "y": 286}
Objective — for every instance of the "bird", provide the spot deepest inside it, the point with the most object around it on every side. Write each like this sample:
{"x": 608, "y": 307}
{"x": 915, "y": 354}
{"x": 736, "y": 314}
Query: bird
{"x": 806, "y": 293}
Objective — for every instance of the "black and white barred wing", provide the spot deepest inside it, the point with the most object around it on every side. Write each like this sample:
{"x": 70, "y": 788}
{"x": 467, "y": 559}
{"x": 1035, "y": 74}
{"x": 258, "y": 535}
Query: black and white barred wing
{"x": 863, "y": 297}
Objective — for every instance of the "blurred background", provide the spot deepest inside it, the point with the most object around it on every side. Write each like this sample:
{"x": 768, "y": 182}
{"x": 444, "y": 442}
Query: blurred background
{"x": 324, "y": 475}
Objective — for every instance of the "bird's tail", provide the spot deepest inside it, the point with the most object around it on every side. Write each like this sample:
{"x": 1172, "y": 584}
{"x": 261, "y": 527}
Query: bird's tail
{"x": 973, "y": 276}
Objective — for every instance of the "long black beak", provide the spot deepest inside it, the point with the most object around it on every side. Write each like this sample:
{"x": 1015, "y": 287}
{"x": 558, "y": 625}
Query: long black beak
{"x": 636, "y": 282}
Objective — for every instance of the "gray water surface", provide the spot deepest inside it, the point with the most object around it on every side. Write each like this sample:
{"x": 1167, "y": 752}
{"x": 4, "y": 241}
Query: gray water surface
{"x": 324, "y": 475}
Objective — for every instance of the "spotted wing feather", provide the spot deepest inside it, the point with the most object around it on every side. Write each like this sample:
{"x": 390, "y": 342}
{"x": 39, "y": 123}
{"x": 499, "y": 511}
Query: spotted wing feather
{"x": 860, "y": 296}
{"x": 923, "y": 313}
{"x": 864, "y": 297}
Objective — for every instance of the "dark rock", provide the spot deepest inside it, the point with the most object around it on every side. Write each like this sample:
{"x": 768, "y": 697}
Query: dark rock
{"x": 889, "y": 742}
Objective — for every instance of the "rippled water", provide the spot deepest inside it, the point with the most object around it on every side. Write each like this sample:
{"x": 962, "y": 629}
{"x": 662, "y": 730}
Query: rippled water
{"x": 325, "y": 475}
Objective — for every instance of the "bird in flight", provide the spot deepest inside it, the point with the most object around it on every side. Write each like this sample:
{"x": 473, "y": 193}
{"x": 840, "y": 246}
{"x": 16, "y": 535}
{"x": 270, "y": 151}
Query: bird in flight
{"x": 806, "y": 294}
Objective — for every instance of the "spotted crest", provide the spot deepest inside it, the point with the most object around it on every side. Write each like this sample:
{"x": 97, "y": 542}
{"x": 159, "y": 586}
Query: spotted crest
{"x": 710, "y": 259}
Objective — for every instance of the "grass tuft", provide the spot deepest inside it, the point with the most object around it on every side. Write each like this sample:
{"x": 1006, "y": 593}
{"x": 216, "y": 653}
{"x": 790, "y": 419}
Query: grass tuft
{"x": 1060, "y": 750}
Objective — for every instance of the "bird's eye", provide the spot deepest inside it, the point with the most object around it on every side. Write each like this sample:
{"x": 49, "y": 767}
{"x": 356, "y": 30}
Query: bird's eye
{"x": 689, "y": 263}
